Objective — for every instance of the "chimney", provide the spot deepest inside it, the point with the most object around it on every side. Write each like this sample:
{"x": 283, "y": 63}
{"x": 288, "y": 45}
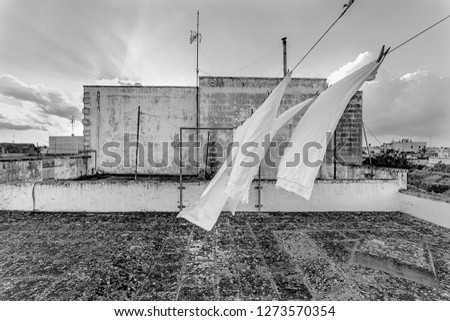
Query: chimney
{"x": 284, "y": 56}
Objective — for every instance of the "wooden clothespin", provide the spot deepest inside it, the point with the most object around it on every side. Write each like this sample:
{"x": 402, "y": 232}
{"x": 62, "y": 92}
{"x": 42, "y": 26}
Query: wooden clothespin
{"x": 383, "y": 53}
{"x": 347, "y": 5}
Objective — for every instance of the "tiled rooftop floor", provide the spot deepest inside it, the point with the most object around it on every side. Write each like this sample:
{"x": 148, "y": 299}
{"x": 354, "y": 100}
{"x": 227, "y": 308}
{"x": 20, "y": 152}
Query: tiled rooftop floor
{"x": 302, "y": 256}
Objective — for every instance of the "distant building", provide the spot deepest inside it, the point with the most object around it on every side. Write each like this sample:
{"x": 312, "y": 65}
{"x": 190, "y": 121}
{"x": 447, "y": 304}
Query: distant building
{"x": 439, "y": 155}
{"x": 439, "y": 152}
{"x": 13, "y": 150}
{"x": 65, "y": 144}
{"x": 374, "y": 151}
{"x": 405, "y": 145}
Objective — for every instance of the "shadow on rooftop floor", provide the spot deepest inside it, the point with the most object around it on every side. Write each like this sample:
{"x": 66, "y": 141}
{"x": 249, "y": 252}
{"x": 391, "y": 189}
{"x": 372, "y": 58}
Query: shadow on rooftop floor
{"x": 267, "y": 256}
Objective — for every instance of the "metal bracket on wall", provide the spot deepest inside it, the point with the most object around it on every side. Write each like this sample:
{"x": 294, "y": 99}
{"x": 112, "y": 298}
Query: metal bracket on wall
{"x": 259, "y": 188}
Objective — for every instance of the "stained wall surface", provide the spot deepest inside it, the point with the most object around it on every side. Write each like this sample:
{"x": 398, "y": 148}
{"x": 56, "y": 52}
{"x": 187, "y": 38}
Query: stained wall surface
{"x": 110, "y": 123}
{"x": 110, "y": 126}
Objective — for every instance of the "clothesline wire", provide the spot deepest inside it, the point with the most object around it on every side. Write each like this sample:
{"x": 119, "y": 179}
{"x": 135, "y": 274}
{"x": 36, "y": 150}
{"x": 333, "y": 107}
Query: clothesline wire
{"x": 308, "y": 66}
{"x": 255, "y": 61}
{"x": 205, "y": 72}
{"x": 207, "y": 61}
{"x": 417, "y": 35}
{"x": 371, "y": 133}
{"x": 188, "y": 53}
{"x": 324, "y": 34}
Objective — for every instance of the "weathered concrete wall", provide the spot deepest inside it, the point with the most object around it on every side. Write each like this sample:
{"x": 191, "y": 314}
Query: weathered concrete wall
{"x": 349, "y": 133}
{"x": 16, "y": 196}
{"x": 434, "y": 211}
{"x": 110, "y": 112}
{"x": 69, "y": 168}
{"x": 362, "y": 172}
{"x": 104, "y": 196}
{"x": 31, "y": 170}
{"x": 20, "y": 170}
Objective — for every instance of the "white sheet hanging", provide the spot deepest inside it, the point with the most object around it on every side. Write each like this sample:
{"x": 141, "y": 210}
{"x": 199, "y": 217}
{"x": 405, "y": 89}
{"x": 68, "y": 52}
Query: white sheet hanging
{"x": 260, "y": 123}
{"x": 322, "y": 117}
{"x": 207, "y": 210}
{"x": 279, "y": 122}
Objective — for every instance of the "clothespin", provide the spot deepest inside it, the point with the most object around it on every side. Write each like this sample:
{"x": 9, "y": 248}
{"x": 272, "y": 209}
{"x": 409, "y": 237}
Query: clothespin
{"x": 383, "y": 53}
{"x": 347, "y": 5}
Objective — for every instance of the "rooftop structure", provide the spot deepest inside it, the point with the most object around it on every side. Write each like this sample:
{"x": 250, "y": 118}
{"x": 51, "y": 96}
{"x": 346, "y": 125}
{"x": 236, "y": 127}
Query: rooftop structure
{"x": 8, "y": 150}
{"x": 65, "y": 144}
{"x": 110, "y": 120}
{"x": 406, "y": 145}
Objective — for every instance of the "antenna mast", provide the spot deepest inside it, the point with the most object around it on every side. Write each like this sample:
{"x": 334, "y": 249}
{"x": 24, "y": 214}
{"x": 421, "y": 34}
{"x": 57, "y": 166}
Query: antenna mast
{"x": 198, "y": 25}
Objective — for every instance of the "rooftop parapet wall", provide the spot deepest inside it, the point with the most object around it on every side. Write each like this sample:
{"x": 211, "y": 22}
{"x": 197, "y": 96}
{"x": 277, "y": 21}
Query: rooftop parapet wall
{"x": 162, "y": 196}
{"x": 54, "y": 168}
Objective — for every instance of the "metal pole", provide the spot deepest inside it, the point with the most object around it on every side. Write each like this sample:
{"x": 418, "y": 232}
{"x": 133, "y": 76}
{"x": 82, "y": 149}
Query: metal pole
{"x": 181, "y": 169}
{"x": 98, "y": 125}
{"x": 137, "y": 143}
{"x": 198, "y": 23}
{"x": 197, "y": 91}
{"x": 368, "y": 150}
{"x": 284, "y": 56}
{"x": 207, "y": 154}
{"x": 334, "y": 154}
{"x": 259, "y": 189}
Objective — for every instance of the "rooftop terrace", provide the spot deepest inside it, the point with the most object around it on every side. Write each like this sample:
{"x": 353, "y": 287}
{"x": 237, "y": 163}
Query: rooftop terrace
{"x": 267, "y": 256}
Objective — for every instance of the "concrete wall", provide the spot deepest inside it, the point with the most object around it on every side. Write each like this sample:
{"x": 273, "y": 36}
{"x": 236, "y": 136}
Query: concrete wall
{"x": 427, "y": 209}
{"x": 65, "y": 144}
{"x": 110, "y": 112}
{"x": 363, "y": 172}
{"x": 349, "y": 133}
{"x": 120, "y": 196}
{"x": 31, "y": 170}
{"x": 225, "y": 102}
{"x": 434, "y": 161}
{"x": 13, "y": 170}
{"x": 228, "y": 101}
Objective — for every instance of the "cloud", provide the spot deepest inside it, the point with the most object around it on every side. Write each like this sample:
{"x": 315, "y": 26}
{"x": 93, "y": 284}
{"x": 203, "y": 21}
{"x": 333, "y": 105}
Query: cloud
{"x": 116, "y": 82}
{"x": 49, "y": 101}
{"x": 415, "y": 104}
{"x": 362, "y": 59}
{"x": 5, "y": 124}
{"x": 10, "y": 126}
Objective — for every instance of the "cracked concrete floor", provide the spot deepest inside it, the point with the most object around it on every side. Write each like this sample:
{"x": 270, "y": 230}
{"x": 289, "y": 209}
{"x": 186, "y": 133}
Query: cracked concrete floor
{"x": 266, "y": 256}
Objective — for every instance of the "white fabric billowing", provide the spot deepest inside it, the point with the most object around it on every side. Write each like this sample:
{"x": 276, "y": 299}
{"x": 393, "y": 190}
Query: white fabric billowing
{"x": 260, "y": 123}
{"x": 279, "y": 122}
{"x": 320, "y": 119}
{"x": 207, "y": 210}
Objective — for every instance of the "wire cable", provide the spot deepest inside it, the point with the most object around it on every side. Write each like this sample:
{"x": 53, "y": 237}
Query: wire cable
{"x": 372, "y": 133}
{"x": 423, "y": 31}
{"x": 209, "y": 64}
{"x": 324, "y": 34}
{"x": 319, "y": 74}
{"x": 255, "y": 61}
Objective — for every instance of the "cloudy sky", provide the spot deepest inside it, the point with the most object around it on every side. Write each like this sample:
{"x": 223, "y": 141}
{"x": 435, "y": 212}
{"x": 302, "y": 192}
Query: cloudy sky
{"x": 49, "y": 49}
